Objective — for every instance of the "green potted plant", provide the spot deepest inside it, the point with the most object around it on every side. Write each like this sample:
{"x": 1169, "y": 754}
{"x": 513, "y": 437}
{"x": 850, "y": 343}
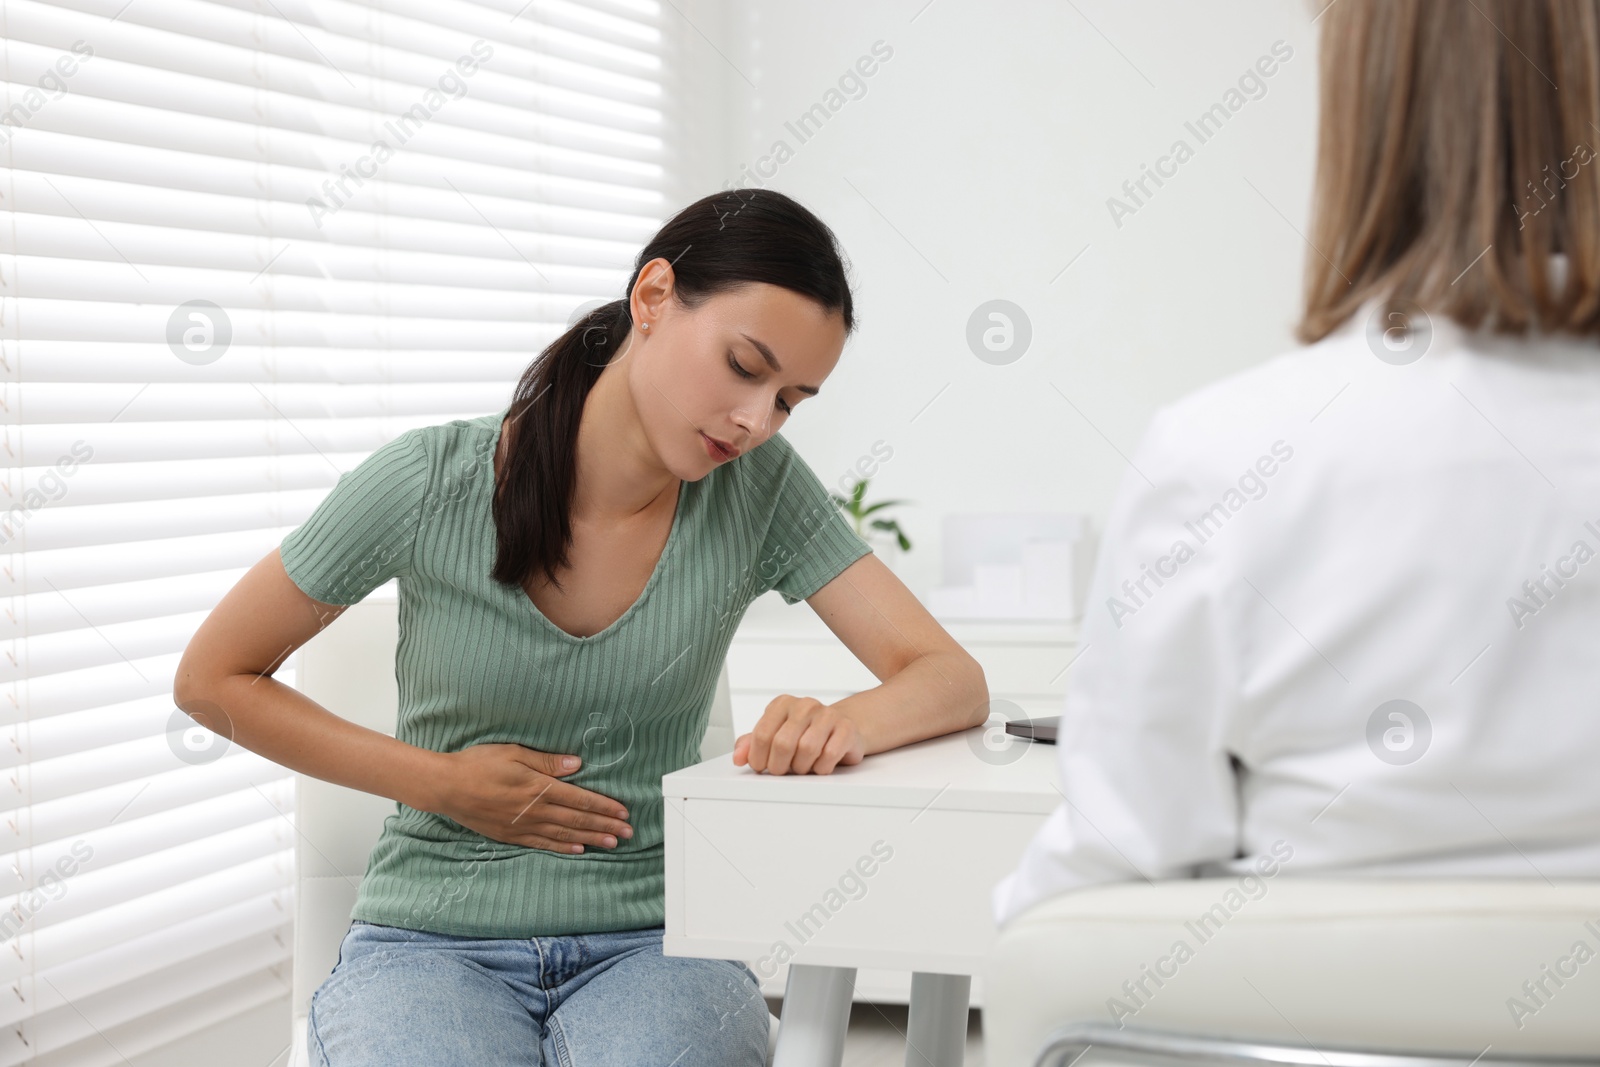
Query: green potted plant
{"x": 860, "y": 513}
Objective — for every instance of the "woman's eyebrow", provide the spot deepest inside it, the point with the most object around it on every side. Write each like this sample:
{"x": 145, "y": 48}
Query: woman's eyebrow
{"x": 772, "y": 361}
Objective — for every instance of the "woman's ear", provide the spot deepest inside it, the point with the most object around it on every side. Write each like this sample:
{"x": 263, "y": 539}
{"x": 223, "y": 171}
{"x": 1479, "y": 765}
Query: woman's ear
{"x": 651, "y": 292}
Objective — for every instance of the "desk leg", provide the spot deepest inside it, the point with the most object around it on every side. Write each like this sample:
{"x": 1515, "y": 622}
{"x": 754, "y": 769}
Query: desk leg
{"x": 816, "y": 1013}
{"x": 937, "y": 1029}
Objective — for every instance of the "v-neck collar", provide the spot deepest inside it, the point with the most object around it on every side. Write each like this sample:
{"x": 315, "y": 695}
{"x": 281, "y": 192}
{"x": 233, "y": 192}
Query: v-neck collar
{"x": 673, "y": 536}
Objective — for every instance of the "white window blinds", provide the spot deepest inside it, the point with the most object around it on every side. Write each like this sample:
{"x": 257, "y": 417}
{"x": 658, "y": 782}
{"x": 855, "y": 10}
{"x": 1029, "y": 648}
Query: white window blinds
{"x": 245, "y": 243}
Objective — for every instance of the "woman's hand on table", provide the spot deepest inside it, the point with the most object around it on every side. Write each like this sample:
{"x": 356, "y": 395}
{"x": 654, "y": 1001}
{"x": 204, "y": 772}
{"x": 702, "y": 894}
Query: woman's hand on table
{"x": 800, "y": 735}
{"x": 514, "y": 794}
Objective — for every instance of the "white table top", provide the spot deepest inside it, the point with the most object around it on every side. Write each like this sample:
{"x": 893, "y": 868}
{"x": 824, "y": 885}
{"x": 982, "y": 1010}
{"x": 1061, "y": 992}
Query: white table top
{"x": 948, "y": 773}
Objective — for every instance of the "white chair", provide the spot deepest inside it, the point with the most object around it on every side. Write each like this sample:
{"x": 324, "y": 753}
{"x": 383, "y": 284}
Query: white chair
{"x": 1324, "y": 972}
{"x": 348, "y": 668}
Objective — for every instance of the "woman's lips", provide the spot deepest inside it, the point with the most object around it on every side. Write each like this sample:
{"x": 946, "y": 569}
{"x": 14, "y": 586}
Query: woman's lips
{"x": 717, "y": 449}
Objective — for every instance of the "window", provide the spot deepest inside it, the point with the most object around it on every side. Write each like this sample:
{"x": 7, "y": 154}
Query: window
{"x": 246, "y": 243}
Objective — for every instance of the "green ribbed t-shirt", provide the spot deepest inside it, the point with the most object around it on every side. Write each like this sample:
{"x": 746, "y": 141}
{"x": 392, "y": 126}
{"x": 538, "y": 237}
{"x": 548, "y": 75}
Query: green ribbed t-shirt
{"x": 478, "y": 663}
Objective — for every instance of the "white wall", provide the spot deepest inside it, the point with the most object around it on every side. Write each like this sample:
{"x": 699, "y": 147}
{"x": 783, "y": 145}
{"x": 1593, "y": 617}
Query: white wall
{"x": 975, "y": 165}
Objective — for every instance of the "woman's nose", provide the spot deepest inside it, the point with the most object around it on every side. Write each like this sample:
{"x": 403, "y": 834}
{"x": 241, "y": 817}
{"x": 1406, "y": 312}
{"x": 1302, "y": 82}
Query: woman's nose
{"x": 748, "y": 421}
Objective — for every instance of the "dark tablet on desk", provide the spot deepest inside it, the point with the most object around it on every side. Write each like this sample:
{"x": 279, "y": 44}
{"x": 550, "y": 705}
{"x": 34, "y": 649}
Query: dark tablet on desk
{"x": 1041, "y": 729}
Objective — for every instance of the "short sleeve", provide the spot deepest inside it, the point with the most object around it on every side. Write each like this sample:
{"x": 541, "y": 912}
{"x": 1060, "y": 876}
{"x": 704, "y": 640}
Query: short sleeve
{"x": 363, "y": 531}
{"x": 808, "y": 541}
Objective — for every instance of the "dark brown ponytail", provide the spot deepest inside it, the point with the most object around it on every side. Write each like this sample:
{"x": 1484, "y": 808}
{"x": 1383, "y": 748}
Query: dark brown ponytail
{"x": 717, "y": 243}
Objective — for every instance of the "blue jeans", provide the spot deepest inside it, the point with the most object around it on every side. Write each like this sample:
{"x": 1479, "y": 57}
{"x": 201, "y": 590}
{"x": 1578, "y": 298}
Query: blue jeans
{"x": 408, "y": 998}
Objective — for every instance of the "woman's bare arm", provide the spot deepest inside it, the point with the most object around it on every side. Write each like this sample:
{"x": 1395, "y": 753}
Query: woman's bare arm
{"x": 931, "y": 686}
{"x": 224, "y": 682}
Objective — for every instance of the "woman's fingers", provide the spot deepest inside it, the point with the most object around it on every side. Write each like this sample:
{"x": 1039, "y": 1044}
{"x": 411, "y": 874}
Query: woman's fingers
{"x": 790, "y": 736}
{"x": 797, "y": 743}
{"x": 547, "y": 821}
{"x": 810, "y": 747}
{"x": 564, "y": 837}
{"x": 548, "y": 844}
{"x": 833, "y": 751}
{"x": 578, "y": 798}
{"x": 805, "y": 737}
{"x": 571, "y": 818}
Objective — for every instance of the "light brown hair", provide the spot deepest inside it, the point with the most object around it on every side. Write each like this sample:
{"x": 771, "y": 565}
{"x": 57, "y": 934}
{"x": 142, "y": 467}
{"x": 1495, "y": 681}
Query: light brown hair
{"x": 1456, "y": 153}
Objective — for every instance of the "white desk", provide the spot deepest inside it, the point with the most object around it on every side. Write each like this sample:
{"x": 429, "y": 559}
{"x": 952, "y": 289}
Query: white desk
{"x": 888, "y": 864}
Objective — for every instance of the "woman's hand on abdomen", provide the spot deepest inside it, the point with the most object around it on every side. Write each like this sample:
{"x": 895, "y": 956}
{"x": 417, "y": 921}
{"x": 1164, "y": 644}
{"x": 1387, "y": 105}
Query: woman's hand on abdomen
{"x": 514, "y": 794}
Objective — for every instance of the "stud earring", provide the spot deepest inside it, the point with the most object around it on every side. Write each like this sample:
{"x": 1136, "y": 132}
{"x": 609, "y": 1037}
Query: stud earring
{"x": 644, "y": 326}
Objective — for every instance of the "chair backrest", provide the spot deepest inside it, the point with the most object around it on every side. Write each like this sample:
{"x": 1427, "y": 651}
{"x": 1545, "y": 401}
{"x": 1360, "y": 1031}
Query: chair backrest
{"x": 348, "y": 668}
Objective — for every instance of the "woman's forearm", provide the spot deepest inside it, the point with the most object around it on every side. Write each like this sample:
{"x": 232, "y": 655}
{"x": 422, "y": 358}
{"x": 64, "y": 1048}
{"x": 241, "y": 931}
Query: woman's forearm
{"x": 287, "y": 727}
{"x": 937, "y": 693}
